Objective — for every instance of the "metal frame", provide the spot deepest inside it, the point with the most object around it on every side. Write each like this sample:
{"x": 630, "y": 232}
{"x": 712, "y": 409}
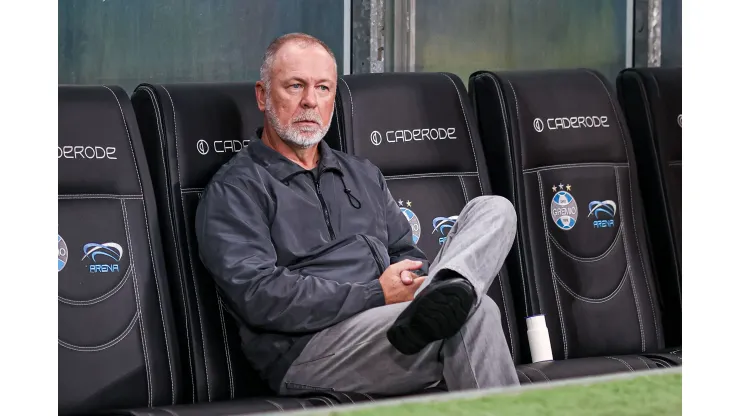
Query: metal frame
{"x": 347, "y": 38}
{"x": 404, "y": 36}
{"x": 655, "y": 21}
{"x": 630, "y": 33}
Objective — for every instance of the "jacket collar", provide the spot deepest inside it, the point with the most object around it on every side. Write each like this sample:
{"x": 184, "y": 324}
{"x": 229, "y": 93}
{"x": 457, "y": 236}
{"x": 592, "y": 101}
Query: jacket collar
{"x": 283, "y": 168}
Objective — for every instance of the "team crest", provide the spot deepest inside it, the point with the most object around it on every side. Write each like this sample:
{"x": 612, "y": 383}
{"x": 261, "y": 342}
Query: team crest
{"x": 412, "y": 218}
{"x": 563, "y": 207}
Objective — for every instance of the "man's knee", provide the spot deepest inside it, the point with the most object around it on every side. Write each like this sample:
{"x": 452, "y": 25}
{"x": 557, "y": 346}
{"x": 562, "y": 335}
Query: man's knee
{"x": 496, "y": 206}
{"x": 487, "y": 315}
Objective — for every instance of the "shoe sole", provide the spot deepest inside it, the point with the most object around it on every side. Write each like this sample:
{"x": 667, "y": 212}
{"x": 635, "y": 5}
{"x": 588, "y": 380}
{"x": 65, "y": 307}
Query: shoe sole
{"x": 435, "y": 315}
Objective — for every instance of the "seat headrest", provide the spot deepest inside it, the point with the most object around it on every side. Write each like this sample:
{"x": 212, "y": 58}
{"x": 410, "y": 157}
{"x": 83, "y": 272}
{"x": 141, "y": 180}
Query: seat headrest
{"x": 561, "y": 116}
{"x": 660, "y": 93}
{"x": 408, "y": 123}
{"x": 97, "y": 135}
{"x": 208, "y": 123}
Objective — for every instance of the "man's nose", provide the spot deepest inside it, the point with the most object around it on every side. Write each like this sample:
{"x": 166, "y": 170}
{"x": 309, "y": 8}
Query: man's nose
{"x": 309, "y": 98}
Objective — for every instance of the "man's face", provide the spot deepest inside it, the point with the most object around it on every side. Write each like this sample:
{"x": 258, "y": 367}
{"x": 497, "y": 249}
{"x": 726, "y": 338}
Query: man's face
{"x": 300, "y": 103}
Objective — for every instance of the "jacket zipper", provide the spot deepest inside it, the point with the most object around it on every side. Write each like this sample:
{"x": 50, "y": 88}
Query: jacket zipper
{"x": 323, "y": 206}
{"x": 375, "y": 255}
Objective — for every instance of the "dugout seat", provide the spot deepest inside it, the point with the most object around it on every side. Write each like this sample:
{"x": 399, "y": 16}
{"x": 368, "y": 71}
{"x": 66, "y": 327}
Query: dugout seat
{"x": 119, "y": 352}
{"x": 421, "y": 131}
{"x": 651, "y": 101}
{"x": 561, "y": 152}
{"x": 189, "y": 132}
{"x": 116, "y": 343}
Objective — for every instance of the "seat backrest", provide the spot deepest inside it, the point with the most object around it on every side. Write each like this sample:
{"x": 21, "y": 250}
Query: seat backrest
{"x": 189, "y": 131}
{"x": 651, "y": 101}
{"x": 418, "y": 129}
{"x": 563, "y": 156}
{"x": 117, "y": 346}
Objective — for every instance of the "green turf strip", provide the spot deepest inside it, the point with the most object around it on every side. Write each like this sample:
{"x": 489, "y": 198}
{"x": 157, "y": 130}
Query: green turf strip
{"x": 653, "y": 395}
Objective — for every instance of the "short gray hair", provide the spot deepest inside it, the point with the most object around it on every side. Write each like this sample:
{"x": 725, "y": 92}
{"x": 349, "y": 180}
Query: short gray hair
{"x": 303, "y": 41}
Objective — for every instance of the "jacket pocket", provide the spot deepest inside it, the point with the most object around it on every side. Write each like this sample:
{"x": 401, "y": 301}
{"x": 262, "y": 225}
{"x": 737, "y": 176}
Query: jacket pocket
{"x": 375, "y": 255}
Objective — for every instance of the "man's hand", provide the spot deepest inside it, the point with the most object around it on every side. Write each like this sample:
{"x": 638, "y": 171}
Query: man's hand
{"x": 408, "y": 277}
{"x": 398, "y": 283}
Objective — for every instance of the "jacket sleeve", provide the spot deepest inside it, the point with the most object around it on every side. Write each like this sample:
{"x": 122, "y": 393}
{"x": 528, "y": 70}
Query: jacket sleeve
{"x": 235, "y": 246}
{"x": 400, "y": 236}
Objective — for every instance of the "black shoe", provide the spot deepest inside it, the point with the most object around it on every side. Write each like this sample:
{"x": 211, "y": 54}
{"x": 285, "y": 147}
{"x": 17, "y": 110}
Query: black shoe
{"x": 437, "y": 312}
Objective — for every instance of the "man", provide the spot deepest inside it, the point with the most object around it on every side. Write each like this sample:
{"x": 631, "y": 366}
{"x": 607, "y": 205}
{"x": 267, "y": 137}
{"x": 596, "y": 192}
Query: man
{"x": 317, "y": 263}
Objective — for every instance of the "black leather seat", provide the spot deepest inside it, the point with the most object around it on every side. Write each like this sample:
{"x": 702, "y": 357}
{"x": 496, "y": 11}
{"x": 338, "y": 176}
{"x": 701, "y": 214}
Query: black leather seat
{"x": 415, "y": 128}
{"x": 420, "y": 130}
{"x": 118, "y": 345}
{"x": 189, "y": 131}
{"x": 561, "y": 153}
{"x": 651, "y": 101}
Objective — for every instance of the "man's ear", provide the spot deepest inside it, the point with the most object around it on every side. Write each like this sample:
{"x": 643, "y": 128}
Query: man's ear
{"x": 261, "y": 92}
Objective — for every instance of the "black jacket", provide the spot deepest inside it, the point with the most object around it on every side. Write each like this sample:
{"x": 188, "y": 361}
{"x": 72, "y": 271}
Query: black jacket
{"x": 295, "y": 251}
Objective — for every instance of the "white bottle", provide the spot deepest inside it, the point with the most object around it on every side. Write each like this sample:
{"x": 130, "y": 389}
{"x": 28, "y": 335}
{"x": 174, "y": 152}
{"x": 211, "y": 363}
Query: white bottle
{"x": 539, "y": 339}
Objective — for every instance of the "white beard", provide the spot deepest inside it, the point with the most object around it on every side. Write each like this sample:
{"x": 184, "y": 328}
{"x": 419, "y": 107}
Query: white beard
{"x": 303, "y": 137}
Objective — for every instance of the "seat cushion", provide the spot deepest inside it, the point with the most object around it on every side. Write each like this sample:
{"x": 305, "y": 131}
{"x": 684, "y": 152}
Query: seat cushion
{"x": 582, "y": 367}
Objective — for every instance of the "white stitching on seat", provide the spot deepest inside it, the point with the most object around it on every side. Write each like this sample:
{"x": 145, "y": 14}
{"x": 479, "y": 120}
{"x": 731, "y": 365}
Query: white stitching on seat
{"x": 99, "y": 196}
{"x": 587, "y": 259}
{"x": 187, "y": 242}
{"x": 506, "y": 313}
{"x": 537, "y": 370}
{"x": 351, "y": 103}
{"x": 138, "y": 304}
{"x": 592, "y": 300}
{"x": 639, "y": 252}
{"x": 575, "y": 165}
{"x": 644, "y": 362}
{"x": 662, "y": 363}
{"x": 326, "y": 401}
{"x": 509, "y": 151}
{"x": 170, "y": 212}
{"x": 226, "y": 343}
{"x": 151, "y": 251}
{"x": 629, "y": 266}
{"x": 339, "y": 127}
{"x": 106, "y": 345}
{"x": 525, "y": 375}
{"x": 429, "y": 175}
{"x": 300, "y": 402}
{"x": 467, "y": 126}
{"x": 622, "y": 361}
{"x": 348, "y": 397}
{"x": 100, "y": 298}
{"x": 465, "y": 191}
{"x": 275, "y": 404}
{"x": 632, "y": 203}
{"x": 368, "y": 396}
{"x": 552, "y": 267}
{"x": 675, "y": 163}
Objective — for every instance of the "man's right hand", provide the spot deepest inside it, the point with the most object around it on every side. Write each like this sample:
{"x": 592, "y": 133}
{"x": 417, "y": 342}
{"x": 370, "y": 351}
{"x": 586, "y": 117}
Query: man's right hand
{"x": 394, "y": 289}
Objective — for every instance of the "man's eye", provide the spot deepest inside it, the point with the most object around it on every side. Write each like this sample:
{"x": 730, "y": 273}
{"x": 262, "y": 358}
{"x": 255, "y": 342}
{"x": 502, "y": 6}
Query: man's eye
{"x": 296, "y": 86}
{"x": 324, "y": 87}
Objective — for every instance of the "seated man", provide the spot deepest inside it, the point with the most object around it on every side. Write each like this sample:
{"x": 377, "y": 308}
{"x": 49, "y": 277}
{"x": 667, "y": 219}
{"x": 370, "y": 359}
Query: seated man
{"x": 316, "y": 261}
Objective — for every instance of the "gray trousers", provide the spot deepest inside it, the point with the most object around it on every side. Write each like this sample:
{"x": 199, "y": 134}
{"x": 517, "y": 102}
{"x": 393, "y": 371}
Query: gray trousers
{"x": 355, "y": 355}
